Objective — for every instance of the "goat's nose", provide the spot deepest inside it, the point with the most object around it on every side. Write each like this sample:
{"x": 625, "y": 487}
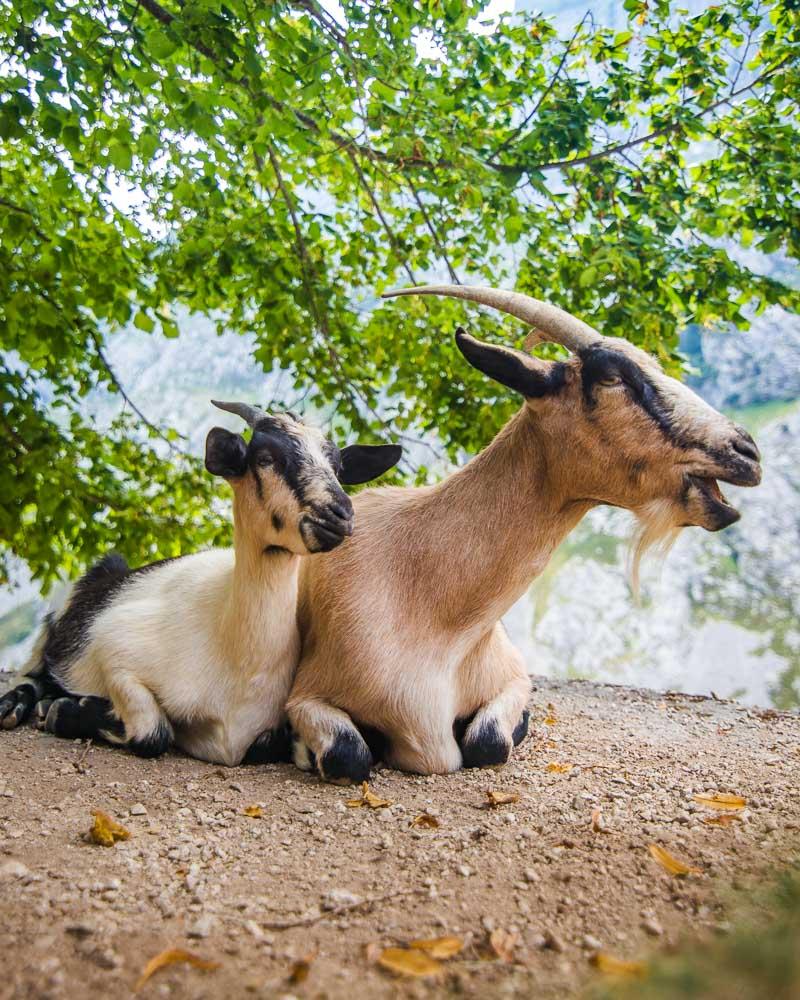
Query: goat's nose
{"x": 343, "y": 510}
{"x": 745, "y": 445}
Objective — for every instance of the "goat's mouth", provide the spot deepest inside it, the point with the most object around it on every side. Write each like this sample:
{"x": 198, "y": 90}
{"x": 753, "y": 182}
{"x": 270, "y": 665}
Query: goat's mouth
{"x": 721, "y": 512}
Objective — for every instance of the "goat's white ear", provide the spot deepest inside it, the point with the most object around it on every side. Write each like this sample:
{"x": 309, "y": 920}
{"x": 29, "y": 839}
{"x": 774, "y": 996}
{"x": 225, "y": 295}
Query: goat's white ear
{"x": 530, "y": 376}
{"x": 226, "y": 453}
{"x": 362, "y": 462}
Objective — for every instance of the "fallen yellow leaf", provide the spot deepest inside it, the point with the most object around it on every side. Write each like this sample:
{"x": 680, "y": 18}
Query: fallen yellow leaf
{"x": 425, "y": 820}
{"x": 368, "y": 798}
{"x": 670, "y": 863}
{"x": 555, "y": 768}
{"x": 409, "y": 962}
{"x": 617, "y": 966}
{"x": 300, "y": 969}
{"x": 550, "y": 720}
{"x": 495, "y": 799}
{"x": 106, "y": 831}
{"x": 441, "y": 947}
{"x": 503, "y": 944}
{"x": 254, "y": 812}
{"x": 721, "y": 800}
{"x": 171, "y": 957}
{"x": 724, "y": 820}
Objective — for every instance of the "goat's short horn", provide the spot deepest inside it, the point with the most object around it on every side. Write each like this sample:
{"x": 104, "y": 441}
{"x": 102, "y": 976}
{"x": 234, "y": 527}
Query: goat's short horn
{"x": 558, "y": 326}
{"x": 251, "y": 414}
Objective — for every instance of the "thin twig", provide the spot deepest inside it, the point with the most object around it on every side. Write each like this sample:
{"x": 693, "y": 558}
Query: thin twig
{"x": 121, "y": 390}
{"x": 432, "y": 231}
{"x": 546, "y": 92}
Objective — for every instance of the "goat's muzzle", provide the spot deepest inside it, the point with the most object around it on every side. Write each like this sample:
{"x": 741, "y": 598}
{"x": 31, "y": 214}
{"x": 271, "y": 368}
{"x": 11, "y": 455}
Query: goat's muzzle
{"x": 738, "y": 464}
{"x": 328, "y": 526}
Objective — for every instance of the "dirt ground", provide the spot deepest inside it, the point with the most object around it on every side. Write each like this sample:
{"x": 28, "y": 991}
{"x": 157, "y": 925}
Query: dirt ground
{"x": 197, "y": 873}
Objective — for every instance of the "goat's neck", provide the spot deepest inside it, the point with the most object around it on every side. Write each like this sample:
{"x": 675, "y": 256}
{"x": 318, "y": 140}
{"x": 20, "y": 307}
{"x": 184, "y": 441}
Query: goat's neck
{"x": 262, "y": 601}
{"x": 499, "y": 520}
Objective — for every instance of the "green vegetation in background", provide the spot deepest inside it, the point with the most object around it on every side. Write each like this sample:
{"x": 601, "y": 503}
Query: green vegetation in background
{"x": 285, "y": 165}
{"x": 18, "y": 623}
{"x": 758, "y": 959}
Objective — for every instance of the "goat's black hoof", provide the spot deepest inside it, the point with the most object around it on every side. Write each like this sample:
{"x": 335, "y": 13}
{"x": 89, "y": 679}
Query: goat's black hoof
{"x": 16, "y": 704}
{"x": 272, "y": 747}
{"x": 521, "y": 729}
{"x": 154, "y": 745}
{"x": 486, "y": 748}
{"x": 63, "y": 717}
{"x": 348, "y": 761}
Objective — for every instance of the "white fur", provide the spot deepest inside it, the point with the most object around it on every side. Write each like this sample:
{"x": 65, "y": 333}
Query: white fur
{"x": 206, "y": 642}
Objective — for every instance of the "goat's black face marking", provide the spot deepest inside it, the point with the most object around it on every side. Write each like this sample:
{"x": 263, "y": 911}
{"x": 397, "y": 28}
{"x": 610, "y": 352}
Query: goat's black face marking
{"x": 599, "y": 364}
{"x": 277, "y": 522}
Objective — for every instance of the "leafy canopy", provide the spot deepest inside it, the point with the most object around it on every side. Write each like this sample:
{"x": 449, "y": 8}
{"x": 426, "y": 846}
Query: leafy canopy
{"x": 288, "y": 164}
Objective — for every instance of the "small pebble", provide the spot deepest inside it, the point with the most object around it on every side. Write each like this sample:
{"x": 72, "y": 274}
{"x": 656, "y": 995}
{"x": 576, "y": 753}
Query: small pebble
{"x": 137, "y": 809}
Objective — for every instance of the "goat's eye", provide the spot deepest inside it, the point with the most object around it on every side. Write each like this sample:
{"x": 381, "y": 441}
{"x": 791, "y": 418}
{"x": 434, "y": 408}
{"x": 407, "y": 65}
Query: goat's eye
{"x": 610, "y": 380}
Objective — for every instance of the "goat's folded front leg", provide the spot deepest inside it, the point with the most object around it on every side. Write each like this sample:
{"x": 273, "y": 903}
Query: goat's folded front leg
{"x": 325, "y": 737}
{"x": 497, "y": 726}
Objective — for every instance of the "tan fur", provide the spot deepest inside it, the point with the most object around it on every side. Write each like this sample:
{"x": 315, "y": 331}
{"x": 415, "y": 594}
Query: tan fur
{"x": 401, "y": 625}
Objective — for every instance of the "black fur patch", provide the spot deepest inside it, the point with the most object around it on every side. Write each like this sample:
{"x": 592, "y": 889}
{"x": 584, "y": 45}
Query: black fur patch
{"x": 272, "y": 747}
{"x": 82, "y": 718}
{"x": 277, "y": 522}
{"x": 521, "y": 728}
{"x": 487, "y": 748}
{"x": 154, "y": 745}
{"x": 67, "y": 635}
{"x": 348, "y": 759}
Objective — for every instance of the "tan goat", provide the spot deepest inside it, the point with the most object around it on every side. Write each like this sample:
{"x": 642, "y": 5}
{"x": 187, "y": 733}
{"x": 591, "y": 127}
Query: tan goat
{"x": 400, "y": 624}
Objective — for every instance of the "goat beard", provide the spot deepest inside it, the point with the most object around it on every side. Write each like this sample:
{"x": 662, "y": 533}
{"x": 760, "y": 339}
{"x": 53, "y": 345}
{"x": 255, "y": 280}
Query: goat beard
{"x": 657, "y": 532}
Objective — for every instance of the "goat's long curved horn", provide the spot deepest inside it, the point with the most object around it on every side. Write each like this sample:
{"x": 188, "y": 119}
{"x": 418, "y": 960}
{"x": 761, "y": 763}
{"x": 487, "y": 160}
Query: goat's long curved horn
{"x": 251, "y": 414}
{"x": 558, "y": 325}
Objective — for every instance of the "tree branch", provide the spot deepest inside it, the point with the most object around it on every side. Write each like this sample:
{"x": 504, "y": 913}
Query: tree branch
{"x": 120, "y": 389}
{"x": 434, "y": 234}
{"x": 546, "y": 92}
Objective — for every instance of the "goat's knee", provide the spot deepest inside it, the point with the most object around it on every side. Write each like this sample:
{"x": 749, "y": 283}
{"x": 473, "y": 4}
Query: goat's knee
{"x": 327, "y": 739}
{"x": 147, "y": 729}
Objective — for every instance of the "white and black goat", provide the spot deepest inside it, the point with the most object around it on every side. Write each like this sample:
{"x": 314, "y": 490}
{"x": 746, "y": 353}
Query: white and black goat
{"x": 400, "y": 625}
{"x": 200, "y": 651}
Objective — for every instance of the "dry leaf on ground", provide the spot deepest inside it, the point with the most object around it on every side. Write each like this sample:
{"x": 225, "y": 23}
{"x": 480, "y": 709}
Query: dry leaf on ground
{"x": 556, "y": 768}
{"x": 171, "y": 957}
{"x": 368, "y": 798}
{"x": 425, "y": 820}
{"x": 409, "y": 962}
{"x": 300, "y": 969}
{"x": 721, "y": 800}
{"x": 254, "y": 812}
{"x": 617, "y": 966}
{"x": 726, "y": 819}
{"x": 670, "y": 863}
{"x": 503, "y": 944}
{"x": 495, "y": 799}
{"x": 106, "y": 831}
{"x": 441, "y": 947}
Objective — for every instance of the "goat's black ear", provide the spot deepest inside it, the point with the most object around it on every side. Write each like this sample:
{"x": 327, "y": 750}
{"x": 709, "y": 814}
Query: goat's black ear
{"x": 362, "y": 462}
{"x": 520, "y": 372}
{"x": 226, "y": 453}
